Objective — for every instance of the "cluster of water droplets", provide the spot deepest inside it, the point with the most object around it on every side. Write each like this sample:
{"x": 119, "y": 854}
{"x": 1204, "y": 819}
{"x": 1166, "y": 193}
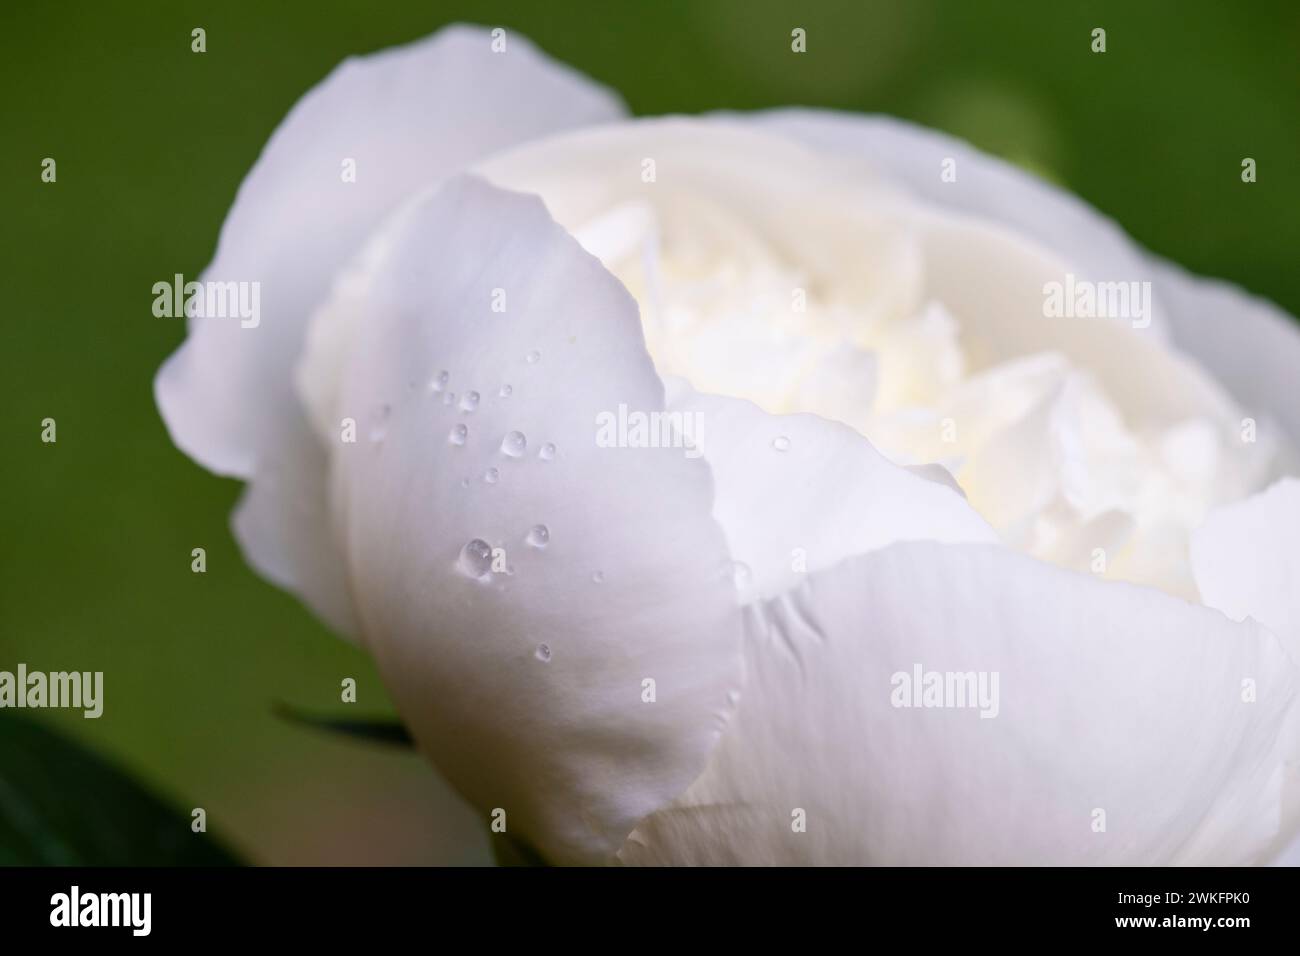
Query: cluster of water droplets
{"x": 476, "y": 559}
{"x": 513, "y": 445}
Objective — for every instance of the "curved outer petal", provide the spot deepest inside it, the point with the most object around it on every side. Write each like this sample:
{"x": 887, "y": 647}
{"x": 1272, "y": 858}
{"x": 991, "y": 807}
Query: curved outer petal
{"x": 1249, "y": 344}
{"x": 406, "y": 116}
{"x": 1247, "y": 565}
{"x": 631, "y": 583}
{"x": 1246, "y": 558}
{"x": 283, "y": 526}
{"x": 798, "y": 493}
{"x": 1109, "y": 698}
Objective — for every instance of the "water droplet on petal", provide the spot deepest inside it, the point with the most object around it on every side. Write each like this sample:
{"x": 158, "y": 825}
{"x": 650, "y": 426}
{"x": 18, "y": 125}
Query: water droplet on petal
{"x": 533, "y": 357}
{"x": 547, "y": 451}
{"x": 781, "y": 443}
{"x": 439, "y": 381}
{"x": 469, "y": 402}
{"x": 514, "y": 444}
{"x": 506, "y": 391}
{"x": 598, "y": 577}
{"x": 458, "y": 435}
{"x": 491, "y": 476}
{"x": 539, "y": 536}
{"x": 448, "y": 398}
{"x": 543, "y": 653}
{"x": 475, "y": 559}
{"x": 464, "y": 482}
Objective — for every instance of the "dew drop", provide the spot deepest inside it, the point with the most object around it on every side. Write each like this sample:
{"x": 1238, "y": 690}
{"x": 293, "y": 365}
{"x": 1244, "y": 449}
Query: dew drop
{"x": 439, "y": 381}
{"x": 448, "y": 398}
{"x": 469, "y": 402}
{"x": 543, "y": 653}
{"x": 598, "y": 577}
{"x": 533, "y": 357}
{"x": 781, "y": 443}
{"x": 491, "y": 476}
{"x": 506, "y": 391}
{"x": 458, "y": 435}
{"x": 539, "y": 536}
{"x": 464, "y": 482}
{"x": 547, "y": 451}
{"x": 475, "y": 559}
{"x": 514, "y": 444}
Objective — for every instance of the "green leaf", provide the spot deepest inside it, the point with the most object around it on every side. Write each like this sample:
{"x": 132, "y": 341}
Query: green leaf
{"x": 379, "y": 729}
{"x": 61, "y": 805}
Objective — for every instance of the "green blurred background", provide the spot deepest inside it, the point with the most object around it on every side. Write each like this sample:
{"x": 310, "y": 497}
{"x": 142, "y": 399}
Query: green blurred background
{"x": 152, "y": 141}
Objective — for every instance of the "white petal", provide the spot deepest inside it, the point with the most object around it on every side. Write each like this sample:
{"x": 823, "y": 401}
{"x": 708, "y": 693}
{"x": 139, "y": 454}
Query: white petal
{"x": 992, "y": 280}
{"x": 798, "y": 493}
{"x": 990, "y": 242}
{"x": 986, "y": 187}
{"x": 1246, "y": 559}
{"x": 1249, "y": 344}
{"x": 1110, "y": 698}
{"x": 284, "y": 528}
{"x": 631, "y": 583}
{"x": 406, "y": 116}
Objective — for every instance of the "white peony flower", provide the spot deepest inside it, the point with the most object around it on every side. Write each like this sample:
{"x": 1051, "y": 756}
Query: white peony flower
{"x": 733, "y": 489}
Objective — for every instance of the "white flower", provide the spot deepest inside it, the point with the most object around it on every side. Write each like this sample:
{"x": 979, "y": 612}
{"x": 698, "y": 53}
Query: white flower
{"x": 881, "y": 458}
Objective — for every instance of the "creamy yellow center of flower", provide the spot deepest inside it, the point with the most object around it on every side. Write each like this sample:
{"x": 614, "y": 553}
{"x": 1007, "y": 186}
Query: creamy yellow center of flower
{"x": 1034, "y": 441}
